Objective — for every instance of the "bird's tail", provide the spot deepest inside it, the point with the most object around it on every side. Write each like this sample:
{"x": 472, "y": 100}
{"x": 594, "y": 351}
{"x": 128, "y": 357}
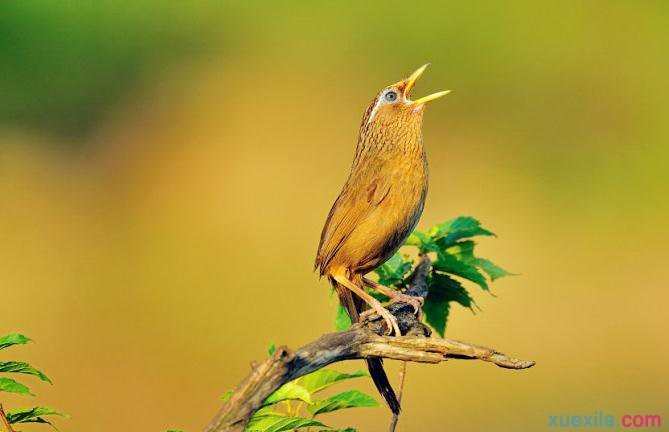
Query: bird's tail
{"x": 354, "y": 305}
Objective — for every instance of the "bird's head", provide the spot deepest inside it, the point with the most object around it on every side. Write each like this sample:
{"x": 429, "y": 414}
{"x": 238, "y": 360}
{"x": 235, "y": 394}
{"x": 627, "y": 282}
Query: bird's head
{"x": 392, "y": 111}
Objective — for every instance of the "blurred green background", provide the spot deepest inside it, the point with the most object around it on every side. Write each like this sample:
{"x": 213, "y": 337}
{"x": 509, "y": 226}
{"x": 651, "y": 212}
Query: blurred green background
{"x": 166, "y": 167}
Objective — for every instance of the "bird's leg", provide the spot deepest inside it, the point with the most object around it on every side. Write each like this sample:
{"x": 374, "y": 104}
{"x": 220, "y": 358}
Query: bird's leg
{"x": 396, "y": 296}
{"x": 376, "y": 306}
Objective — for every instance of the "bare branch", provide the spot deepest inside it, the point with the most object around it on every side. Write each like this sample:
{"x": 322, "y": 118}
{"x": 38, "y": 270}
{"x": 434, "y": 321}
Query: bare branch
{"x": 5, "y": 422}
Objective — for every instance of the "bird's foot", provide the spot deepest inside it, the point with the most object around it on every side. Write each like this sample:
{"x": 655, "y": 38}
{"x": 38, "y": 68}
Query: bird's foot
{"x": 384, "y": 313}
{"x": 415, "y": 301}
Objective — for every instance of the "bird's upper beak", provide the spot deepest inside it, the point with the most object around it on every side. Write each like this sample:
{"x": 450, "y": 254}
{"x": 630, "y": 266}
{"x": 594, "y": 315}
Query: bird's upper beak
{"x": 408, "y": 84}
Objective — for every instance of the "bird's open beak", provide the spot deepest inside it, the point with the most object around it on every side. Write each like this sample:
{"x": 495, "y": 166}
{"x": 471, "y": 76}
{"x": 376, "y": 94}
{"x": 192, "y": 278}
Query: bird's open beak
{"x": 411, "y": 81}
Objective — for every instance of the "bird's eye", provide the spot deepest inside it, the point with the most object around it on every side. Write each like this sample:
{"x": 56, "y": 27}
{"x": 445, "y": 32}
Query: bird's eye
{"x": 391, "y": 96}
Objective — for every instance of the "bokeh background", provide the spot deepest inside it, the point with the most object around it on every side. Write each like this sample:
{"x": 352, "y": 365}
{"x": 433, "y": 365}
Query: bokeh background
{"x": 166, "y": 167}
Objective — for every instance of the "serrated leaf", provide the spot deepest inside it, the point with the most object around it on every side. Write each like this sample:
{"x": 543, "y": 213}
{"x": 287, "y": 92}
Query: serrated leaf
{"x": 24, "y": 368}
{"x": 347, "y": 399}
{"x": 493, "y": 270}
{"x": 11, "y": 386}
{"x": 342, "y": 320}
{"x": 459, "y": 228}
{"x": 13, "y": 339}
{"x": 421, "y": 240}
{"x": 323, "y": 378}
{"x": 463, "y": 250}
{"x": 289, "y": 391}
{"x": 279, "y": 423}
{"x": 451, "y": 264}
{"x": 392, "y": 272}
{"x": 32, "y": 415}
{"x": 436, "y": 310}
{"x": 443, "y": 290}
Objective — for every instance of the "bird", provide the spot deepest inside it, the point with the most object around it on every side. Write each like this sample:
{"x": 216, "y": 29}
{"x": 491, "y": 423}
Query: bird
{"x": 377, "y": 209}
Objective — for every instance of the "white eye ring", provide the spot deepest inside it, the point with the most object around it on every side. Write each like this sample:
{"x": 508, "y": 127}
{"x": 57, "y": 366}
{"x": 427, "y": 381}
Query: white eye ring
{"x": 390, "y": 96}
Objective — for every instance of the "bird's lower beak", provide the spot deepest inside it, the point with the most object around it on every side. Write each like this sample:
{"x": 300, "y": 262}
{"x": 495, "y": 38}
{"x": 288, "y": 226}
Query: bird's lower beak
{"x": 411, "y": 82}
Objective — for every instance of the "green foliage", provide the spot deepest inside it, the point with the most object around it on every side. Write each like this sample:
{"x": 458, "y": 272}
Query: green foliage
{"x": 13, "y": 339}
{"x": 342, "y": 320}
{"x": 324, "y": 378}
{"x": 494, "y": 271}
{"x": 282, "y": 410}
{"x": 278, "y": 423}
{"x": 32, "y": 415}
{"x": 9, "y": 385}
{"x": 452, "y": 245}
{"x": 24, "y": 368}
{"x": 452, "y": 250}
{"x": 347, "y": 399}
{"x": 443, "y": 290}
{"x": 456, "y": 229}
{"x": 289, "y": 391}
{"x": 393, "y": 271}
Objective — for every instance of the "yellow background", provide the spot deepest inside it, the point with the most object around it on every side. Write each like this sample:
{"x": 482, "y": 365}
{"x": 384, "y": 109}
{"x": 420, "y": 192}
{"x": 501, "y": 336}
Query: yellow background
{"x": 165, "y": 170}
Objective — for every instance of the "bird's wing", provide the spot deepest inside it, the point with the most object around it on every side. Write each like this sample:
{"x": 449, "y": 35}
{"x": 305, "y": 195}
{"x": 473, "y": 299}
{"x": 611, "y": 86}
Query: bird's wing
{"x": 361, "y": 194}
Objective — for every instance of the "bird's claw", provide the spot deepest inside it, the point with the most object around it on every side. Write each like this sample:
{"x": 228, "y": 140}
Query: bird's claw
{"x": 391, "y": 321}
{"x": 415, "y": 301}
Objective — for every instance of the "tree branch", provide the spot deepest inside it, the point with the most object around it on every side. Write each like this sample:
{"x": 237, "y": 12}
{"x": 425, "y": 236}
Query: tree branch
{"x": 363, "y": 340}
{"x": 5, "y": 422}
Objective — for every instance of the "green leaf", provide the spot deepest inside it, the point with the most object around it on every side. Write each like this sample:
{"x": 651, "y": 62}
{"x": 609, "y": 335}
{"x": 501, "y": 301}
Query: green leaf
{"x": 271, "y": 350}
{"x": 323, "y": 378}
{"x": 493, "y": 270}
{"x": 226, "y": 396}
{"x": 451, "y": 264}
{"x": 436, "y": 310}
{"x": 392, "y": 271}
{"x": 342, "y": 320}
{"x": 458, "y": 228}
{"x": 347, "y": 399}
{"x": 32, "y": 415}
{"x": 423, "y": 241}
{"x": 266, "y": 410}
{"x": 13, "y": 339}
{"x": 462, "y": 250}
{"x": 279, "y": 423}
{"x": 289, "y": 391}
{"x": 11, "y": 386}
{"x": 24, "y": 368}
{"x": 443, "y": 290}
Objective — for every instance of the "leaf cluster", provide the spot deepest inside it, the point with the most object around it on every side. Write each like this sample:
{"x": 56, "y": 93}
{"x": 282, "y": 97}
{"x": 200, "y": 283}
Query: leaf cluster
{"x": 296, "y": 404}
{"x": 36, "y": 414}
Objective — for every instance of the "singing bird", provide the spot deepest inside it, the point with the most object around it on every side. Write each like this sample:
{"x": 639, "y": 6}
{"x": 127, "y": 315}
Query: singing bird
{"x": 378, "y": 207}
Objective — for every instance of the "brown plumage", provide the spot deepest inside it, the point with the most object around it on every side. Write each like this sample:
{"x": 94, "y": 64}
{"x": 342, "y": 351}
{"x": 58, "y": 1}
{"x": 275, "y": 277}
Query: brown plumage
{"x": 378, "y": 207}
